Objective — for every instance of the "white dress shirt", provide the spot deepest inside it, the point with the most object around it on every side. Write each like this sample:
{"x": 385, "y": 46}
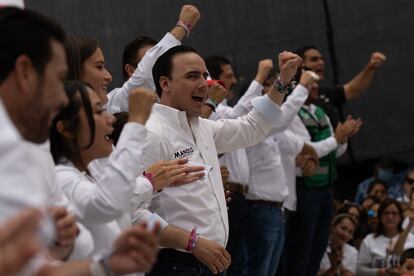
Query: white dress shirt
{"x": 21, "y": 184}
{"x": 290, "y": 146}
{"x": 236, "y": 161}
{"x": 83, "y": 246}
{"x": 142, "y": 77}
{"x": 202, "y": 203}
{"x": 373, "y": 249}
{"x": 103, "y": 206}
{"x": 267, "y": 175}
{"x": 349, "y": 258}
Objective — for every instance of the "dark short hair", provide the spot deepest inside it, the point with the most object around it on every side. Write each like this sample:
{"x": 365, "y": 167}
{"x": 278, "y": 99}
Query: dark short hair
{"x": 383, "y": 206}
{"x": 407, "y": 254}
{"x": 302, "y": 50}
{"x": 26, "y": 32}
{"x": 214, "y": 63}
{"x": 129, "y": 56}
{"x": 163, "y": 65}
{"x": 60, "y": 146}
{"x": 121, "y": 120}
{"x": 78, "y": 50}
{"x": 374, "y": 183}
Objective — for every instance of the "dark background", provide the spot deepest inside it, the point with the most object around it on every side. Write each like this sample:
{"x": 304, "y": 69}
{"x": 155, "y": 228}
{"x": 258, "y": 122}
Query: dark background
{"x": 247, "y": 31}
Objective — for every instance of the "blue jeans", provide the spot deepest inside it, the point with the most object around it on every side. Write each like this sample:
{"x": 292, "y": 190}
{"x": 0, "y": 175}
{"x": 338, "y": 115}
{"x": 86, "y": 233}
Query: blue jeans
{"x": 237, "y": 225}
{"x": 309, "y": 229}
{"x": 264, "y": 239}
{"x": 179, "y": 269}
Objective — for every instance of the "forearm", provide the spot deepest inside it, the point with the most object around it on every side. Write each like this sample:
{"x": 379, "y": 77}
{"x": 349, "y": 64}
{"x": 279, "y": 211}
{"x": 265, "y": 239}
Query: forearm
{"x": 178, "y": 32}
{"x": 276, "y": 96}
{"x": 399, "y": 245}
{"x": 359, "y": 84}
{"x": 174, "y": 237}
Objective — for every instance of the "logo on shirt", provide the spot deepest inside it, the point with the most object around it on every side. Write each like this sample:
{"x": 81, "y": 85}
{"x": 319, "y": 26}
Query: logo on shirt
{"x": 184, "y": 153}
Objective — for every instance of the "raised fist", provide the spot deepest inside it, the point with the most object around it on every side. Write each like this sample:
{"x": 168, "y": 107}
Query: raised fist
{"x": 377, "y": 59}
{"x": 189, "y": 14}
{"x": 263, "y": 70}
{"x": 141, "y": 101}
{"x": 288, "y": 64}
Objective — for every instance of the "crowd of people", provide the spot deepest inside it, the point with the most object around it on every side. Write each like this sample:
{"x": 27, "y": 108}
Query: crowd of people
{"x": 162, "y": 177}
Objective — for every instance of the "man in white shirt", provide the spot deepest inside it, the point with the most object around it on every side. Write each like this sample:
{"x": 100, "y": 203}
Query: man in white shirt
{"x": 180, "y": 77}
{"x": 220, "y": 68}
{"x": 309, "y": 225}
{"x": 141, "y": 75}
{"x": 31, "y": 94}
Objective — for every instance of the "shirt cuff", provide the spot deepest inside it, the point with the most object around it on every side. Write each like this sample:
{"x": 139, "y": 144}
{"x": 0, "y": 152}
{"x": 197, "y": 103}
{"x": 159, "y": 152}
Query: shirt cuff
{"x": 269, "y": 110}
{"x": 170, "y": 40}
{"x": 331, "y": 143}
{"x": 300, "y": 90}
{"x": 256, "y": 87}
{"x": 161, "y": 221}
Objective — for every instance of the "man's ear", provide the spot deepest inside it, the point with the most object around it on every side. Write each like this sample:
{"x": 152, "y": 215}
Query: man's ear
{"x": 129, "y": 69}
{"x": 60, "y": 126}
{"x": 26, "y": 74}
{"x": 165, "y": 84}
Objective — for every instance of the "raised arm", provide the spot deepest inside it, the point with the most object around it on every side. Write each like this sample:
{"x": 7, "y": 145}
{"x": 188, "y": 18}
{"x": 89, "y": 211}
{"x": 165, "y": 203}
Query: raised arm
{"x": 142, "y": 77}
{"x": 359, "y": 84}
{"x": 103, "y": 201}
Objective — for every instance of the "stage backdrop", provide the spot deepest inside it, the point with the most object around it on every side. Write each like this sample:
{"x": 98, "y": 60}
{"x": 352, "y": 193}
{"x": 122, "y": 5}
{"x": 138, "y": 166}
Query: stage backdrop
{"x": 247, "y": 31}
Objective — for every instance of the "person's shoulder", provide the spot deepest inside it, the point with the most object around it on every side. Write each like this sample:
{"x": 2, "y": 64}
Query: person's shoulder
{"x": 327, "y": 89}
{"x": 350, "y": 249}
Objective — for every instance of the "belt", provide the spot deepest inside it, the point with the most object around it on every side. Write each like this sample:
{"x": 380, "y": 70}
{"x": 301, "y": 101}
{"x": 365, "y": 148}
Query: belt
{"x": 236, "y": 187}
{"x": 175, "y": 256}
{"x": 275, "y": 204}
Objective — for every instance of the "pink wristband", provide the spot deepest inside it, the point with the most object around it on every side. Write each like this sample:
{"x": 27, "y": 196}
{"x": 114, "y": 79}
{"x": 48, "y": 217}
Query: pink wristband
{"x": 186, "y": 26}
{"x": 192, "y": 241}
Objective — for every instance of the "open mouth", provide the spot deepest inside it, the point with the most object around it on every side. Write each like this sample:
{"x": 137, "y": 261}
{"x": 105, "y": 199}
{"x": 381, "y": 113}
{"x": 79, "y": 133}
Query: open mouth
{"x": 198, "y": 98}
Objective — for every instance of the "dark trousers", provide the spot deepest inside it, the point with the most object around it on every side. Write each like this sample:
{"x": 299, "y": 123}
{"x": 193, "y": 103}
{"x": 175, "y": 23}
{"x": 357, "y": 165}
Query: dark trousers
{"x": 309, "y": 229}
{"x": 237, "y": 227}
{"x": 175, "y": 263}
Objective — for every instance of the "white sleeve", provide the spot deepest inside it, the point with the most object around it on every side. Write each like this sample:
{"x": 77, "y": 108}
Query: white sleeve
{"x": 365, "y": 252}
{"x": 324, "y": 147}
{"x": 109, "y": 198}
{"x": 242, "y": 107}
{"x": 289, "y": 143}
{"x": 142, "y": 77}
{"x": 365, "y": 259}
{"x": 290, "y": 109}
{"x": 248, "y": 130}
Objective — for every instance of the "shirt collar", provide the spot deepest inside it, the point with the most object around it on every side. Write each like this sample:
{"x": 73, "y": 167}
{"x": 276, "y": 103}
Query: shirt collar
{"x": 6, "y": 124}
{"x": 171, "y": 114}
{"x": 310, "y": 108}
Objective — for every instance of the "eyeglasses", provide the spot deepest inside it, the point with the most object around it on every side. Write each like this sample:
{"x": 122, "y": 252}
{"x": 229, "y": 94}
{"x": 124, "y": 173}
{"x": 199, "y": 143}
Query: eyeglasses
{"x": 394, "y": 214}
{"x": 409, "y": 181}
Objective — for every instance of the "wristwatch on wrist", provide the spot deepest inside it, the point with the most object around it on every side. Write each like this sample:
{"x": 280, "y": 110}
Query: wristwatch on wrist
{"x": 281, "y": 86}
{"x": 212, "y": 104}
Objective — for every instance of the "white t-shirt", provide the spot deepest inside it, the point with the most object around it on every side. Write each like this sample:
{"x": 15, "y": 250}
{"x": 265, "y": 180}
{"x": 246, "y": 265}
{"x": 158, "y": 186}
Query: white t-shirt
{"x": 349, "y": 258}
{"x": 373, "y": 249}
